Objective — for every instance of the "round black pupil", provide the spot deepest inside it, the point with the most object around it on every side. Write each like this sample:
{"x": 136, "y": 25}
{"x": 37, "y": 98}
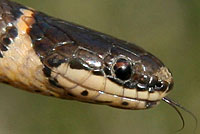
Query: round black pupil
{"x": 123, "y": 69}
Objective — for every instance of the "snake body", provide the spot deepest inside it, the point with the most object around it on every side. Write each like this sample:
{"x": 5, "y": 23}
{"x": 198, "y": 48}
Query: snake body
{"x": 53, "y": 57}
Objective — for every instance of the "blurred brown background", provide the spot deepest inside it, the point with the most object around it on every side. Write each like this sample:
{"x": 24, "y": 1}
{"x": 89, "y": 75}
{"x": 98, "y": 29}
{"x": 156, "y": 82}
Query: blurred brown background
{"x": 168, "y": 29}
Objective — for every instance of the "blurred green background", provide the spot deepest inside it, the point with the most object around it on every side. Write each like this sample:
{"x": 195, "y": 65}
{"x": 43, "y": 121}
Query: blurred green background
{"x": 168, "y": 29}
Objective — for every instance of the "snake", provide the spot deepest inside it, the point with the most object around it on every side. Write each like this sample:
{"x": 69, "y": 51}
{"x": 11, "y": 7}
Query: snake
{"x": 49, "y": 56}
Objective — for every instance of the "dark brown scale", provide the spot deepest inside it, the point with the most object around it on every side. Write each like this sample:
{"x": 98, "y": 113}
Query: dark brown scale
{"x": 55, "y": 37}
{"x": 55, "y": 60}
{"x": 44, "y": 27}
{"x": 35, "y": 33}
{"x": 80, "y": 35}
{"x": 147, "y": 61}
{"x": 49, "y": 32}
{"x": 52, "y": 33}
{"x": 91, "y": 59}
{"x": 42, "y": 47}
{"x": 76, "y": 63}
{"x": 118, "y": 50}
{"x": 68, "y": 50}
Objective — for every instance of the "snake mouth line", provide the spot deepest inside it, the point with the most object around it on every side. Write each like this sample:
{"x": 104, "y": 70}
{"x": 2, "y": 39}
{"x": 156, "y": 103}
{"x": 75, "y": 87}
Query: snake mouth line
{"x": 100, "y": 91}
{"x": 83, "y": 93}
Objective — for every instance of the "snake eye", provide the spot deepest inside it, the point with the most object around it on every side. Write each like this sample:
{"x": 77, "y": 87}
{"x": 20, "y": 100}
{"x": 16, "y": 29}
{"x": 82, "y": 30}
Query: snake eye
{"x": 123, "y": 69}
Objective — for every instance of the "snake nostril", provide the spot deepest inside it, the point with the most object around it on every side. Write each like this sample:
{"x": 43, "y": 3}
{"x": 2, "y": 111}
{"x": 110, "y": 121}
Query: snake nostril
{"x": 161, "y": 85}
{"x": 158, "y": 85}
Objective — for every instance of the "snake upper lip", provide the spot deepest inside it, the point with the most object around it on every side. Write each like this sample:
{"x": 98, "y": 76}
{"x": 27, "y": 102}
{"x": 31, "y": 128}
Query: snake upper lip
{"x": 139, "y": 99}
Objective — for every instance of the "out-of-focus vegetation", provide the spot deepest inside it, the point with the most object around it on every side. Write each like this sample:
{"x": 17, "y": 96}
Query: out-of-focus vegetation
{"x": 168, "y": 29}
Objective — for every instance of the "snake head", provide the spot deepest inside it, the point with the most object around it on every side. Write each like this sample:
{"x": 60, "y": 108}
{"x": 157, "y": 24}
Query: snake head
{"x": 142, "y": 76}
{"x": 70, "y": 61}
{"x": 57, "y": 58}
